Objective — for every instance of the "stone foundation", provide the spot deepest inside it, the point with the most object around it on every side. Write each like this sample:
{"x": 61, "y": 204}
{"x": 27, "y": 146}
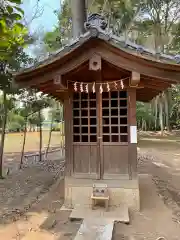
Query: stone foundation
{"x": 78, "y": 192}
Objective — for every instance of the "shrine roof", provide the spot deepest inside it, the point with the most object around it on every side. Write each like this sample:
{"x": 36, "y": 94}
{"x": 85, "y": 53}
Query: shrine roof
{"x": 107, "y": 36}
{"x": 119, "y": 59}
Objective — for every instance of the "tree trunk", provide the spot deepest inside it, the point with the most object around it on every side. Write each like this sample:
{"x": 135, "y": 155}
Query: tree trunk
{"x": 149, "y": 126}
{"x": 78, "y": 8}
{"x": 40, "y": 136}
{"x": 24, "y": 142}
{"x": 158, "y": 37}
{"x": 142, "y": 124}
{"x": 156, "y": 112}
{"x": 167, "y": 106}
{"x": 3, "y": 132}
{"x": 50, "y": 134}
{"x": 145, "y": 125}
{"x": 161, "y": 115}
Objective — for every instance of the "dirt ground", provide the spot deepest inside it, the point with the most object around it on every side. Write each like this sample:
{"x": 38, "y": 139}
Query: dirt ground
{"x": 14, "y": 141}
{"x": 29, "y": 206}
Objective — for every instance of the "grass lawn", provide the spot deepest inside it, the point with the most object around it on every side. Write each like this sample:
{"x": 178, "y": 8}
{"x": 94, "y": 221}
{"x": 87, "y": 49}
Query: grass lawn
{"x": 14, "y": 141}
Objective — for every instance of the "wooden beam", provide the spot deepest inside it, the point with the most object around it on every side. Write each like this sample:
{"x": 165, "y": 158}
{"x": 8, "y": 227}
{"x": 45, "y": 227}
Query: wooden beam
{"x": 58, "y": 82}
{"x": 95, "y": 63}
{"x": 66, "y": 68}
{"x": 158, "y": 80}
{"x": 135, "y": 79}
{"x": 58, "y": 97}
{"x": 146, "y": 97}
{"x": 114, "y": 56}
{"x": 151, "y": 86}
{"x": 143, "y": 84}
{"x": 132, "y": 63}
{"x": 156, "y": 83}
{"x": 146, "y": 91}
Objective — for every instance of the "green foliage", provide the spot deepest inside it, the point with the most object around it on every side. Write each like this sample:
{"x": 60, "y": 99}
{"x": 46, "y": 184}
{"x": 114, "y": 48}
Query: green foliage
{"x": 10, "y": 11}
{"x": 62, "y": 33}
{"x": 58, "y": 127}
{"x": 148, "y": 114}
{"x": 120, "y": 14}
{"x": 16, "y": 118}
{"x": 12, "y": 32}
{"x": 145, "y": 116}
{"x": 53, "y": 40}
{"x": 10, "y": 107}
{"x": 16, "y": 126}
{"x": 34, "y": 119}
{"x": 39, "y": 104}
{"x": 151, "y": 23}
{"x": 174, "y": 45}
{"x": 175, "y": 109}
{"x": 57, "y": 114}
{"x": 13, "y": 36}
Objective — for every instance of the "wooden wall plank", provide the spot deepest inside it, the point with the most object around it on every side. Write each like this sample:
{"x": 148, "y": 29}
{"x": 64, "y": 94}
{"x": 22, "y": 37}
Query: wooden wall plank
{"x": 115, "y": 159}
{"x": 85, "y": 159}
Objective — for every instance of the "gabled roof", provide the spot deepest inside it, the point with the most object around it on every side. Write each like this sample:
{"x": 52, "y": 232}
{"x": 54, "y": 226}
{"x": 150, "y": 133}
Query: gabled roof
{"x": 159, "y": 69}
{"x": 118, "y": 42}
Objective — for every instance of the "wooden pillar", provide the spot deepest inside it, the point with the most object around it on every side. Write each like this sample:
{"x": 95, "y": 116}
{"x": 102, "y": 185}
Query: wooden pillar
{"x": 68, "y": 134}
{"x": 132, "y": 132}
{"x": 95, "y": 66}
{"x": 78, "y": 9}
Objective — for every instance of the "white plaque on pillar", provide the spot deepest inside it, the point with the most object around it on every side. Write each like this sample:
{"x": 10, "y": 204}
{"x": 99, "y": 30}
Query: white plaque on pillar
{"x": 133, "y": 134}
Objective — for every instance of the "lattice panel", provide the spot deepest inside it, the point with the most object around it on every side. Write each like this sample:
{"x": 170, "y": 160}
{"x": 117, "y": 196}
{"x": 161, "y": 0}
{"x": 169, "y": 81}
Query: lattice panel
{"x": 115, "y": 116}
{"x": 84, "y": 117}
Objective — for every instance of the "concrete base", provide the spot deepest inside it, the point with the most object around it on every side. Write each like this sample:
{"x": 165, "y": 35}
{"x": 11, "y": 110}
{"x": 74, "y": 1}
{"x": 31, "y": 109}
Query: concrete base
{"x": 122, "y": 192}
{"x": 95, "y": 229}
{"x": 115, "y": 214}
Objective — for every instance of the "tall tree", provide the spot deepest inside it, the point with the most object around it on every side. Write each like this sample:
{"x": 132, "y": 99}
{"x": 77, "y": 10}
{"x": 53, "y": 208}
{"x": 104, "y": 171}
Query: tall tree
{"x": 12, "y": 38}
{"x": 40, "y": 102}
{"x": 153, "y": 23}
{"x": 78, "y": 11}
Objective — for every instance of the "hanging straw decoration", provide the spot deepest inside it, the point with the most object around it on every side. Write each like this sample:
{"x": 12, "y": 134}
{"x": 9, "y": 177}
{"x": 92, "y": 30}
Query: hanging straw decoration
{"x": 108, "y": 87}
{"x": 93, "y": 88}
{"x": 75, "y": 87}
{"x": 101, "y": 89}
{"x": 81, "y": 87}
{"x": 122, "y": 84}
{"x": 86, "y": 88}
{"x": 115, "y": 85}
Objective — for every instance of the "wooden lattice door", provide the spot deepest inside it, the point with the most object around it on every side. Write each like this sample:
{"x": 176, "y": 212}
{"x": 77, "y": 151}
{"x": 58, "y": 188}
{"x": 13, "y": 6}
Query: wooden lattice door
{"x": 85, "y": 140}
{"x": 100, "y": 135}
{"x": 115, "y": 135}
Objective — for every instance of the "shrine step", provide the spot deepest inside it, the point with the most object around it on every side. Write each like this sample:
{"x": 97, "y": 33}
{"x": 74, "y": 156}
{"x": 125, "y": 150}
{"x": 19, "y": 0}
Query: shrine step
{"x": 95, "y": 229}
{"x": 118, "y": 214}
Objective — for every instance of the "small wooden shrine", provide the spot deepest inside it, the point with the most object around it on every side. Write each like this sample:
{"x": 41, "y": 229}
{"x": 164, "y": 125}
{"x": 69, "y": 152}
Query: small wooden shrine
{"x": 99, "y": 78}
